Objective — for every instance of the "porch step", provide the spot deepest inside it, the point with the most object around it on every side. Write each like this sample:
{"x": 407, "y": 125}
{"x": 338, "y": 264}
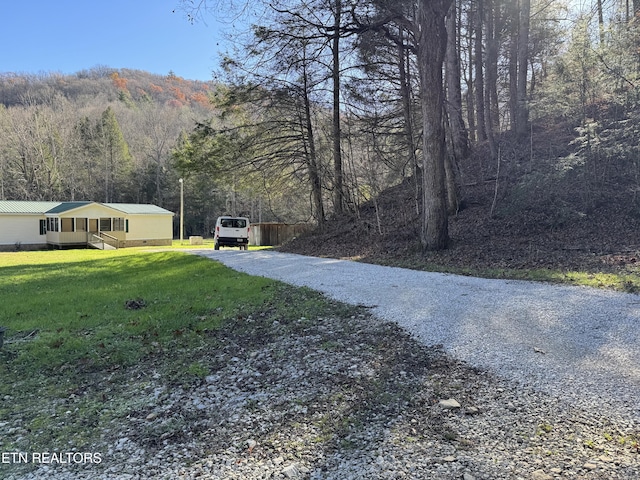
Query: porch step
{"x": 101, "y": 246}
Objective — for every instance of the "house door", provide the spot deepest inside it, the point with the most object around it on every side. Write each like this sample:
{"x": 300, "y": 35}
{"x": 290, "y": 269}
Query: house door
{"x": 93, "y": 225}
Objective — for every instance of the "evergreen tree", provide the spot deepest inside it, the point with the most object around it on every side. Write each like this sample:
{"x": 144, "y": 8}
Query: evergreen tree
{"x": 117, "y": 161}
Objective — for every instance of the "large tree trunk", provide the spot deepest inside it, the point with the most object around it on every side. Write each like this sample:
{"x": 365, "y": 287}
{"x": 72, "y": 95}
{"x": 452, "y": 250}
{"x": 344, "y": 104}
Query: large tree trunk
{"x": 312, "y": 159}
{"x": 431, "y": 47}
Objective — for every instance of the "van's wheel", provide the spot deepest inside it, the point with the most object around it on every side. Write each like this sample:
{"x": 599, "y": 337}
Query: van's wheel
{"x": 216, "y": 245}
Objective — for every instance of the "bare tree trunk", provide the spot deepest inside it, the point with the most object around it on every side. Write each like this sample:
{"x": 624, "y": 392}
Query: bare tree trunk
{"x": 513, "y": 64}
{"x": 452, "y": 185}
{"x": 522, "y": 122}
{"x": 405, "y": 92}
{"x": 459, "y": 135}
{"x": 314, "y": 170}
{"x": 469, "y": 79}
{"x": 431, "y": 48}
{"x": 337, "y": 152}
{"x": 478, "y": 63}
{"x": 600, "y": 22}
{"x": 491, "y": 89}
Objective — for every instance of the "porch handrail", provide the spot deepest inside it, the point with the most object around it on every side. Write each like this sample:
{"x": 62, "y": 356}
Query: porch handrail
{"x": 93, "y": 238}
{"x": 102, "y": 238}
{"x": 110, "y": 239}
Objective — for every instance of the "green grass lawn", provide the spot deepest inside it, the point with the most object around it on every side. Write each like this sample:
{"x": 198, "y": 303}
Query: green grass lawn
{"x": 207, "y": 243}
{"x": 624, "y": 281}
{"x": 85, "y": 328}
{"x": 71, "y": 306}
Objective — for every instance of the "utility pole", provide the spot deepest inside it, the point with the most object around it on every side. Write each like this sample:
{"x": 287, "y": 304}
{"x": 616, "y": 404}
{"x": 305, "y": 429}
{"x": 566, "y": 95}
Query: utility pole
{"x": 181, "y": 210}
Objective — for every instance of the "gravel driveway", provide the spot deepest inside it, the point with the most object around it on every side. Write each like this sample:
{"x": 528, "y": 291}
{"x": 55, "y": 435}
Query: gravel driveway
{"x": 352, "y": 396}
{"x": 578, "y": 344}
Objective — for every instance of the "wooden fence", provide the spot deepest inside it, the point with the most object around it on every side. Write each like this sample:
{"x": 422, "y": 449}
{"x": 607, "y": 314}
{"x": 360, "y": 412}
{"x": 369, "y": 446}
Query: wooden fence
{"x": 275, "y": 233}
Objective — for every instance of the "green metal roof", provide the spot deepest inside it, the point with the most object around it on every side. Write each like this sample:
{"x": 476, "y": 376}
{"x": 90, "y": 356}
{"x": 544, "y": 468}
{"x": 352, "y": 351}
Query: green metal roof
{"x": 26, "y": 207}
{"x": 18, "y": 207}
{"x": 138, "y": 209}
{"x": 66, "y": 206}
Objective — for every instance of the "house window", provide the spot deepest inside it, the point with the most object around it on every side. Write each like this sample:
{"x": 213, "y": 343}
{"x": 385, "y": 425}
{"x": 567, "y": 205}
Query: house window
{"x": 105, "y": 224}
{"x": 81, "y": 224}
{"x": 43, "y": 227}
{"x": 52, "y": 224}
{"x": 66, "y": 224}
{"x": 118, "y": 224}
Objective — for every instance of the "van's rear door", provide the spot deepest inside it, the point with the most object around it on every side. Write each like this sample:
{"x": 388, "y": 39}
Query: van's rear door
{"x": 234, "y": 228}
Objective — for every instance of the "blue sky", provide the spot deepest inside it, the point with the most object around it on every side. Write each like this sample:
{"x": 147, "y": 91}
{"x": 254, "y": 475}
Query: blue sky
{"x": 67, "y": 36}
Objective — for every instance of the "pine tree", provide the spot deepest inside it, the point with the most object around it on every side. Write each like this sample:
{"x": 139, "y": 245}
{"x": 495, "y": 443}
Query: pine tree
{"x": 117, "y": 160}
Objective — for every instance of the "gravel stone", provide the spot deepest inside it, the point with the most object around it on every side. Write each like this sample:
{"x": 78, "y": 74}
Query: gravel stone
{"x": 449, "y": 404}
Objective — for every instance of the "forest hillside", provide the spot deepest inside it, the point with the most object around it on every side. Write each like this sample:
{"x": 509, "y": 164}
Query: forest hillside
{"x": 100, "y": 135}
{"x": 545, "y": 210}
{"x": 107, "y": 135}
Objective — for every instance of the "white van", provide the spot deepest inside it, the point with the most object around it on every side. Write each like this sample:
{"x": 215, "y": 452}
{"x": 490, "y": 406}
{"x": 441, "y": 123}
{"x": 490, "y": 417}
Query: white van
{"x": 231, "y": 232}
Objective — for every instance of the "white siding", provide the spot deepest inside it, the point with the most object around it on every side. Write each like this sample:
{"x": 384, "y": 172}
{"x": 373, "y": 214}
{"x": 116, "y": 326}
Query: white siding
{"x": 150, "y": 227}
{"x": 23, "y": 229}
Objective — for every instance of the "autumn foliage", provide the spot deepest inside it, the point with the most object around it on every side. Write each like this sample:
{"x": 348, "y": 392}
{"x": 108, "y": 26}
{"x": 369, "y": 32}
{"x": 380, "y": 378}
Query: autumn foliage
{"x": 119, "y": 82}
